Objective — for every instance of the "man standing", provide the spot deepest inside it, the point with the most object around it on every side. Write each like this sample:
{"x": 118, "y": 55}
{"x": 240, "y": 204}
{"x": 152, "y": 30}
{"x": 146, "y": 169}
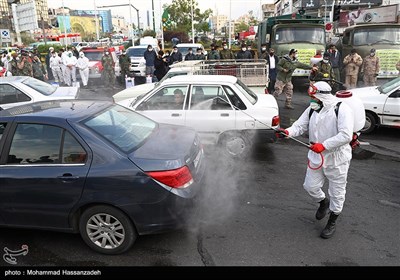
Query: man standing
{"x": 108, "y": 74}
{"x": 330, "y": 153}
{"x": 352, "y": 63}
{"x": 55, "y": 65}
{"x": 83, "y": 65}
{"x": 244, "y": 53}
{"x": 336, "y": 61}
{"x": 213, "y": 54}
{"x": 325, "y": 70}
{"x": 176, "y": 56}
{"x": 286, "y": 67}
{"x": 150, "y": 56}
{"x": 370, "y": 69}
{"x": 38, "y": 69}
{"x": 48, "y": 56}
{"x": 272, "y": 60}
{"x": 226, "y": 53}
{"x": 70, "y": 68}
{"x": 190, "y": 55}
{"x": 124, "y": 64}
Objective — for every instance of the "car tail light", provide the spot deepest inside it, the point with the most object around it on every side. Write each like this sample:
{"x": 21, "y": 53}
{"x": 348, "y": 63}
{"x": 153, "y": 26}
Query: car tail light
{"x": 275, "y": 121}
{"x": 176, "y": 178}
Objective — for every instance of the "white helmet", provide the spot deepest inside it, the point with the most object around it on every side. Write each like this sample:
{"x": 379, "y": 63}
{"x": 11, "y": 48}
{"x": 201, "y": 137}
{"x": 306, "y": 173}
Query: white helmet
{"x": 323, "y": 87}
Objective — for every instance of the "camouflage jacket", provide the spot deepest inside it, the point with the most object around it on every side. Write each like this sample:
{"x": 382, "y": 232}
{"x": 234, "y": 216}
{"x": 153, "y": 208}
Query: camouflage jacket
{"x": 226, "y": 54}
{"x": 107, "y": 63}
{"x": 325, "y": 71}
{"x": 352, "y": 64}
{"x": 370, "y": 65}
{"x": 124, "y": 63}
{"x": 287, "y": 63}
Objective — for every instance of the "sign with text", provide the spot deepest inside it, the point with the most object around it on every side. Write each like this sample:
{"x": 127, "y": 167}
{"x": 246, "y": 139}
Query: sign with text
{"x": 5, "y": 36}
{"x": 26, "y": 18}
{"x": 374, "y": 15}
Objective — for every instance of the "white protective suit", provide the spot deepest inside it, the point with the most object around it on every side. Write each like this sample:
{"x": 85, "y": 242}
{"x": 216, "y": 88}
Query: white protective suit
{"x": 70, "y": 70}
{"x": 55, "y": 65}
{"x": 83, "y": 66}
{"x": 335, "y": 133}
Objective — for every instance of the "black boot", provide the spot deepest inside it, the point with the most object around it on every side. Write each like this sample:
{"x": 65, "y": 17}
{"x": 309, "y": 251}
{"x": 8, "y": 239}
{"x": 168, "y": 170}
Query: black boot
{"x": 330, "y": 228}
{"x": 323, "y": 209}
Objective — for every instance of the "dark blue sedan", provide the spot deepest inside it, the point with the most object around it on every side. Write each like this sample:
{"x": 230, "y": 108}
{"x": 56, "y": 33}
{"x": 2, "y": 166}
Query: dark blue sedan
{"x": 96, "y": 168}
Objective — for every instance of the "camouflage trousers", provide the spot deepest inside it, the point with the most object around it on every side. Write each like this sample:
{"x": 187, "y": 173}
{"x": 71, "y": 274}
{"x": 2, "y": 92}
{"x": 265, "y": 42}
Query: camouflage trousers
{"x": 286, "y": 88}
{"x": 369, "y": 80}
{"x": 351, "y": 81}
{"x": 108, "y": 78}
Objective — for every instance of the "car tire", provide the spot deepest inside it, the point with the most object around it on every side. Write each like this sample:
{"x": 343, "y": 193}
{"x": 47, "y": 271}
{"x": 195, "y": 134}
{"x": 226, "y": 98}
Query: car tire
{"x": 370, "y": 123}
{"x": 107, "y": 230}
{"x": 236, "y": 145}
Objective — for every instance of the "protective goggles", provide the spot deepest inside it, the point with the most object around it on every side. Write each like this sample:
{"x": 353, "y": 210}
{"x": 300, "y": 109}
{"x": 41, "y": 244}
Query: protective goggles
{"x": 312, "y": 90}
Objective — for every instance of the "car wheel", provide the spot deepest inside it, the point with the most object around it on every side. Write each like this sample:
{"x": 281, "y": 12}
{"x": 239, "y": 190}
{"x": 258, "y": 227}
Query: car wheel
{"x": 107, "y": 230}
{"x": 370, "y": 123}
{"x": 235, "y": 145}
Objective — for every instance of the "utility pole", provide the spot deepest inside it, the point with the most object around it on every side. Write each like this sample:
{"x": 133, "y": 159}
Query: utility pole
{"x": 43, "y": 29}
{"x": 154, "y": 20}
{"x": 192, "y": 23}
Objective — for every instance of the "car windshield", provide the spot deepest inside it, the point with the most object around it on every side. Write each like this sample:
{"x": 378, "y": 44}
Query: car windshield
{"x": 94, "y": 56}
{"x": 39, "y": 86}
{"x": 136, "y": 52}
{"x": 248, "y": 93}
{"x": 124, "y": 128}
{"x": 389, "y": 86}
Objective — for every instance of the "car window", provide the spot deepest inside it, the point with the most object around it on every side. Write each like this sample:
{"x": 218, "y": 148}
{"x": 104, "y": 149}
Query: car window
{"x": 10, "y": 94}
{"x": 248, "y": 93}
{"x": 40, "y": 144}
{"x": 136, "y": 52}
{"x": 166, "y": 98}
{"x": 93, "y": 56}
{"x": 122, "y": 127}
{"x": 40, "y": 86}
{"x": 209, "y": 98}
{"x": 2, "y": 128}
{"x": 234, "y": 98}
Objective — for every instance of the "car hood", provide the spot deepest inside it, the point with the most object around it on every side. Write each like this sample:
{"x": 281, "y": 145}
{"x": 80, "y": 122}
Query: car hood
{"x": 66, "y": 92}
{"x": 93, "y": 63}
{"x": 133, "y": 92}
{"x": 170, "y": 147}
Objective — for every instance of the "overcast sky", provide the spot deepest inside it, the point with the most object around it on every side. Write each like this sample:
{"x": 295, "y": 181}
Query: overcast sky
{"x": 238, "y": 7}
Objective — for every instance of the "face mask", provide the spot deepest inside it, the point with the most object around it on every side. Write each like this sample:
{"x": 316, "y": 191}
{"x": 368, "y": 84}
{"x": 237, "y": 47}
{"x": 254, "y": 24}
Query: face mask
{"x": 107, "y": 53}
{"x": 325, "y": 60}
{"x": 199, "y": 53}
{"x": 263, "y": 49}
{"x": 175, "y": 51}
{"x": 81, "y": 55}
{"x": 372, "y": 54}
{"x": 315, "y": 105}
{"x": 70, "y": 55}
{"x": 295, "y": 56}
{"x": 150, "y": 50}
{"x": 190, "y": 52}
{"x": 244, "y": 49}
{"x": 225, "y": 47}
{"x": 54, "y": 55}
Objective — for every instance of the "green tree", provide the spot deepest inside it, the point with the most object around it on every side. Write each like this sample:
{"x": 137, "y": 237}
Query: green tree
{"x": 180, "y": 15}
{"x": 242, "y": 26}
{"x": 149, "y": 32}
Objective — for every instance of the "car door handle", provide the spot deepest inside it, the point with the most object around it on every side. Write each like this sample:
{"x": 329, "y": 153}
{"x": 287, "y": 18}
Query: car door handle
{"x": 67, "y": 177}
{"x": 175, "y": 115}
{"x": 224, "y": 115}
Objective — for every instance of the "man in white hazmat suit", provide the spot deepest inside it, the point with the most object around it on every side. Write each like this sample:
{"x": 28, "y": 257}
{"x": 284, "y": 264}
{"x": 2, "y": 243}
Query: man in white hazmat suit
{"x": 83, "y": 66}
{"x": 329, "y": 135}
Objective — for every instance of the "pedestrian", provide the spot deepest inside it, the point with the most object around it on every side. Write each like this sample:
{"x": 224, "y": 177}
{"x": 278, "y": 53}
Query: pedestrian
{"x": 161, "y": 65}
{"x": 38, "y": 69}
{"x": 199, "y": 54}
{"x": 190, "y": 55}
{"x": 336, "y": 61}
{"x": 253, "y": 53}
{"x": 70, "y": 68}
{"x": 108, "y": 73}
{"x": 285, "y": 68}
{"x": 48, "y": 56}
{"x": 13, "y": 64}
{"x": 243, "y": 53}
{"x": 25, "y": 65}
{"x": 176, "y": 56}
{"x": 150, "y": 56}
{"x": 370, "y": 69}
{"x": 124, "y": 64}
{"x": 398, "y": 67}
{"x": 352, "y": 63}
{"x": 264, "y": 52}
{"x": 325, "y": 70}
{"x": 330, "y": 136}
{"x": 226, "y": 53}
{"x": 55, "y": 65}
{"x": 75, "y": 52}
{"x": 83, "y": 66}
{"x": 214, "y": 53}
{"x": 63, "y": 55}
{"x": 272, "y": 60}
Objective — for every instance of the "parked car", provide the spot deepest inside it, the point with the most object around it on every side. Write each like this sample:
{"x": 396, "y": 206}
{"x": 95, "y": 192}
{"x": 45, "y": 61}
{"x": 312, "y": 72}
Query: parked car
{"x": 18, "y": 90}
{"x": 180, "y": 68}
{"x": 96, "y": 168}
{"x": 221, "y": 108}
{"x": 138, "y": 63}
{"x": 184, "y": 48}
{"x": 382, "y": 105}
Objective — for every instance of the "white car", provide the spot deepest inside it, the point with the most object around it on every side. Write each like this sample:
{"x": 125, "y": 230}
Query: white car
{"x": 382, "y": 105}
{"x": 18, "y": 90}
{"x": 136, "y": 56}
{"x": 220, "y": 108}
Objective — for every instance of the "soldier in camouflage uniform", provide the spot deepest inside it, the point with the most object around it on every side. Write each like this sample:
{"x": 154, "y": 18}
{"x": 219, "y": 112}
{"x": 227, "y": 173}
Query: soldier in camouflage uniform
{"x": 226, "y": 53}
{"x": 108, "y": 74}
{"x": 398, "y": 66}
{"x": 352, "y": 63}
{"x": 124, "y": 63}
{"x": 13, "y": 64}
{"x": 25, "y": 66}
{"x": 370, "y": 68}
{"x": 286, "y": 67}
{"x": 325, "y": 70}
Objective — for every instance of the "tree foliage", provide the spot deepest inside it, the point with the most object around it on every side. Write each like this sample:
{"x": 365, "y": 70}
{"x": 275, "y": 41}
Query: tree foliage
{"x": 180, "y": 14}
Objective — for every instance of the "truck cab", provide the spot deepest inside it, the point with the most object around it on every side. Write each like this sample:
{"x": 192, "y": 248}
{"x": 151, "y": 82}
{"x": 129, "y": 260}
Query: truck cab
{"x": 304, "y": 33}
{"x": 384, "y": 38}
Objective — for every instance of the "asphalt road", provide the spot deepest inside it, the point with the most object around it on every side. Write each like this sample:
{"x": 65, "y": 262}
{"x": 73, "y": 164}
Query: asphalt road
{"x": 256, "y": 213}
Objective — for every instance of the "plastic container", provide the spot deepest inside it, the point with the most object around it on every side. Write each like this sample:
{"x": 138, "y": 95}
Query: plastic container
{"x": 356, "y": 105}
